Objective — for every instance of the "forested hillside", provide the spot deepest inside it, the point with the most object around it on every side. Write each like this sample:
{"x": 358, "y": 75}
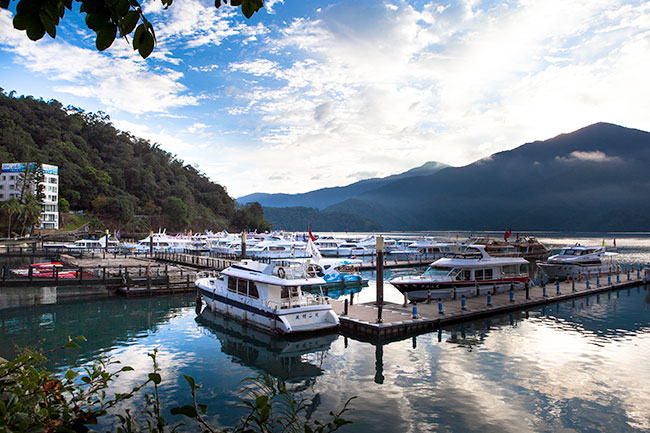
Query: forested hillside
{"x": 125, "y": 180}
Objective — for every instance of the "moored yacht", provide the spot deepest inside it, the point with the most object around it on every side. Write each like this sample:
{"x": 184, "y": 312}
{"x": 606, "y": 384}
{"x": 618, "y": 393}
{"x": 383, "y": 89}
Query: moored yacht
{"x": 578, "y": 261}
{"x": 470, "y": 273}
{"x": 269, "y": 296}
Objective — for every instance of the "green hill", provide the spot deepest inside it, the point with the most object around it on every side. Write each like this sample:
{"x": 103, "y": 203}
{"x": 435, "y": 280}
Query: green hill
{"x": 128, "y": 182}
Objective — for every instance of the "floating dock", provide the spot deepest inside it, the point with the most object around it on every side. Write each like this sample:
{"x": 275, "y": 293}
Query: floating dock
{"x": 399, "y": 320}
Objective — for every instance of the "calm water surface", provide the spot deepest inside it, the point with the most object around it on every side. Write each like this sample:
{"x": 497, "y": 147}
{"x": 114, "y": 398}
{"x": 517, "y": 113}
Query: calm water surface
{"x": 577, "y": 366}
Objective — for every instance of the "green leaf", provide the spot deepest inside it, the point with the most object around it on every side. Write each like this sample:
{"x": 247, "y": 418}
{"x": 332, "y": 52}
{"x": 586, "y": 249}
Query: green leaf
{"x": 20, "y": 22}
{"x": 137, "y": 37}
{"x": 203, "y": 407}
{"x": 308, "y": 429}
{"x": 249, "y": 7}
{"x": 340, "y": 422}
{"x": 105, "y": 37}
{"x": 235, "y": 2}
{"x": 261, "y": 401}
{"x": 71, "y": 343}
{"x": 265, "y": 412}
{"x": 190, "y": 380}
{"x": 48, "y": 23}
{"x": 155, "y": 378}
{"x": 128, "y": 23}
{"x": 35, "y": 31}
{"x": 146, "y": 45}
{"x": 187, "y": 410}
{"x": 126, "y": 368}
{"x": 71, "y": 374}
{"x": 45, "y": 413}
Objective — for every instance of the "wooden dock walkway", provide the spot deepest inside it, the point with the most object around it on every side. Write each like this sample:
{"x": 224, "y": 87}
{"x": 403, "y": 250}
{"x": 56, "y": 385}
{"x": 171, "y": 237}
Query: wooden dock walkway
{"x": 398, "y": 321}
{"x": 194, "y": 261}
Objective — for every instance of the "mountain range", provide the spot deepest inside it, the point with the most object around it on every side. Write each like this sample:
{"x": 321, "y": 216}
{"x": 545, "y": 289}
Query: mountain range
{"x": 592, "y": 179}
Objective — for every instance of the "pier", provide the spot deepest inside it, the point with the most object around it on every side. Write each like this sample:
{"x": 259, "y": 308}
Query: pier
{"x": 404, "y": 320}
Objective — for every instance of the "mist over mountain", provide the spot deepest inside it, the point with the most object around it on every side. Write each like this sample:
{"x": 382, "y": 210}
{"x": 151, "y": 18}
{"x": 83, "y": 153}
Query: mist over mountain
{"x": 593, "y": 179}
{"x": 322, "y": 198}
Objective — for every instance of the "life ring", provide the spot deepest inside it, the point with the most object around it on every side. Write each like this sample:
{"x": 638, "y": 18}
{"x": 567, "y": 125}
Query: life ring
{"x": 281, "y": 272}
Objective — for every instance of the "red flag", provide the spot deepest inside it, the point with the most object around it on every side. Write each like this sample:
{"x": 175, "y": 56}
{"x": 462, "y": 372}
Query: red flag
{"x": 310, "y": 234}
{"x": 507, "y": 235}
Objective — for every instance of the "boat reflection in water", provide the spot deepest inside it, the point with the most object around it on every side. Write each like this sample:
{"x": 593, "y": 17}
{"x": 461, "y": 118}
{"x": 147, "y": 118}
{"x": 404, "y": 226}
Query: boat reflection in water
{"x": 290, "y": 359}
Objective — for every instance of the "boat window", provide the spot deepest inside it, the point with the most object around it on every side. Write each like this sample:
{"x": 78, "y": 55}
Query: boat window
{"x": 289, "y": 290}
{"x": 511, "y": 269}
{"x": 436, "y": 271}
{"x": 466, "y": 275}
{"x": 232, "y": 284}
{"x": 242, "y": 287}
{"x": 478, "y": 274}
{"x": 488, "y": 274}
{"x": 252, "y": 290}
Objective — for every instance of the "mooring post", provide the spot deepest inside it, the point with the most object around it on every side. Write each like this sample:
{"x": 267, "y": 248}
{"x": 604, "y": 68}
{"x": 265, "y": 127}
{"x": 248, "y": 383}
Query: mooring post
{"x": 440, "y": 310}
{"x": 151, "y": 244}
{"x": 104, "y": 274}
{"x": 414, "y": 312}
{"x": 345, "y": 307}
{"x": 30, "y": 272}
{"x": 587, "y": 284}
{"x": 512, "y": 296}
{"x": 81, "y": 274}
{"x": 597, "y": 281}
{"x": 352, "y": 298}
{"x": 489, "y": 300}
{"x": 557, "y": 287}
{"x": 380, "y": 277}
{"x": 463, "y": 305}
{"x": 527, "y": 289}
{"x": 243, "y": 245}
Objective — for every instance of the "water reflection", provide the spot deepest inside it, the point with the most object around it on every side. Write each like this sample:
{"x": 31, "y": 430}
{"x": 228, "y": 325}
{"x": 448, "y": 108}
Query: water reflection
{"x": 288, "y": 359}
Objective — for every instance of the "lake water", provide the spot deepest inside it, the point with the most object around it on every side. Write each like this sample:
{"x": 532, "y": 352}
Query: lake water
{"x": 577, "y": 366}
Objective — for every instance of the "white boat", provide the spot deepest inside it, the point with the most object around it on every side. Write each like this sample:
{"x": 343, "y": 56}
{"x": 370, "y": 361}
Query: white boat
{"x": 470, "y": 273}
{"x": 87, "y": 244}
{"x": 578, "y": 261}
{"x": 276, "y": 248}
{"x": 158, "y": 242}
{"x": 269, "y": 296}
{"x": 328, "y": 245}
{"x": 427, "y": 248}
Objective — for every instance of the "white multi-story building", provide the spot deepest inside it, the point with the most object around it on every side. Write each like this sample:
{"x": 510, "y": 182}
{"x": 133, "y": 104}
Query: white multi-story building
{"x": 11, "y": 186}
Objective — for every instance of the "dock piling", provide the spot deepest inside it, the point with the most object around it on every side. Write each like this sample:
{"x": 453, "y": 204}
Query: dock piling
{"x": 489, "y": 300}
{"x": 440, "y": 310}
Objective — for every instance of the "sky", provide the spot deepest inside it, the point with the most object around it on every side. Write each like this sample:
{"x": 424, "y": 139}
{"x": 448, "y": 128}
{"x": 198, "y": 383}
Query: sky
{"x": 311, "y": 94}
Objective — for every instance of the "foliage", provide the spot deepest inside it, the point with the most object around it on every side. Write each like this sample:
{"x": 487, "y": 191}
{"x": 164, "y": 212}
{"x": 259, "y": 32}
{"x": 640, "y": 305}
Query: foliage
{"x": 106, "y": 19}
{"x": 11, "y": 207}
{"x": 176, "y": 210}
{"x": 251, "y": 217}
{"x": 64, "y": 205}
{"x": 119, "y": 176}
{"x": 34, "y": 399}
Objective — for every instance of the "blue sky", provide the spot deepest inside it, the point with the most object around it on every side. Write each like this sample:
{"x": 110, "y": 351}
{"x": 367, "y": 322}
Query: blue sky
{"x": 310, "y": 94}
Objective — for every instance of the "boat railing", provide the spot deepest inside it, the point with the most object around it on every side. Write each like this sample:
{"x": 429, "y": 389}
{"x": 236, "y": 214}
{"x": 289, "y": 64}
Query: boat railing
{"x": 304, "y": 300}
{"x": 207, "y": 274}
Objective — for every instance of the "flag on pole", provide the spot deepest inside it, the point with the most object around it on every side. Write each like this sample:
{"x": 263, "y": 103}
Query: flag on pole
{"x": 312, "y": 249}
{"x": 507, "y": 234}
{"x": 311, "y": 235}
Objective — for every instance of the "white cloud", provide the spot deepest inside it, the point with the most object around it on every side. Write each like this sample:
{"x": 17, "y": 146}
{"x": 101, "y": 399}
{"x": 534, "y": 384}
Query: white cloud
{"x": 118, "y": 78}
{"x": 594, "y": 156}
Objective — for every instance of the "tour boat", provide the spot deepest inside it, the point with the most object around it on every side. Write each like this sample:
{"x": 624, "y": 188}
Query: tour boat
{"x": 427, "y": 248}
{"x": 87, "y": 245}
{"x": 578, "y": 261}
{"x": 531, "y": 249}
{"x": 469, "y": 273}
{"x": 269, "y": 296}
{"x": 276, "y": 248}
{"x": 159, "y": 242}
{"x": 335, "y": 271}
{"x": 328, "y": 245}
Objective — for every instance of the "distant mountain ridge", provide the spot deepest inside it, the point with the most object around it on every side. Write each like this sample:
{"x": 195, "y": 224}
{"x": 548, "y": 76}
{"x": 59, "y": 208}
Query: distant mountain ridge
{"x": 592, "y": 179}
{"x": 322, "y": 198}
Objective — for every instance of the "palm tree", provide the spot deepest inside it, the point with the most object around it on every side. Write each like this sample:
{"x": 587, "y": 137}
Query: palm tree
{"x": 12, "y": 207}
{"x": 31, "y": 212}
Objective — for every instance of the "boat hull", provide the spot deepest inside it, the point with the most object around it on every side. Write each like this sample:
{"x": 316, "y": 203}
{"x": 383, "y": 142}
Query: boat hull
{"x": 282, "y": 321}
{"x": 432, "y": 289}
{"x": 557, "y": 271}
